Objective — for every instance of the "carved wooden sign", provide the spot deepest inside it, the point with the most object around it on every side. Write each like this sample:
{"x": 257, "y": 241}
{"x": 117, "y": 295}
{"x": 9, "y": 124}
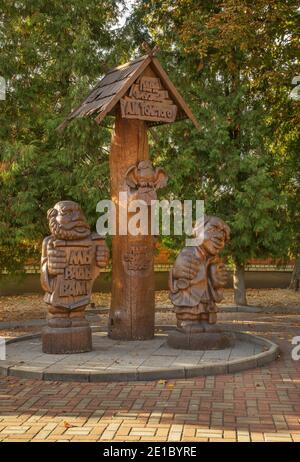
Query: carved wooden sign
{"x": 138, "y": 258}
{"x": 148, "y": 100}
{"x": 73, "y": 288}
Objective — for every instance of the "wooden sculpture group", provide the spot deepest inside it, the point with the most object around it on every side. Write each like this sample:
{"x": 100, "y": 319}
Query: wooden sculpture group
{"x": 139, "y": 94}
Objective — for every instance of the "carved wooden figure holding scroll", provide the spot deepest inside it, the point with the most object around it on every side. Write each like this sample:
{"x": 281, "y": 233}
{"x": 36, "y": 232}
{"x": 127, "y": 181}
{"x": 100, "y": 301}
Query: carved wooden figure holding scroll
{"x": 71, "y": 260}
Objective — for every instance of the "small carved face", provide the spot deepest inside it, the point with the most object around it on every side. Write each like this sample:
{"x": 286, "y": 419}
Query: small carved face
{"x": 145, "y": 178}
{"x": 145, "y": 174}
{"x": 216, "y": 233}
{"x": 67, "y": 221}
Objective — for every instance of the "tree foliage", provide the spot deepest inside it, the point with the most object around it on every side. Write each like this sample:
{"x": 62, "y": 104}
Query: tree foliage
{"x": 51, "y": 52}
{"x": 234, "y": 62}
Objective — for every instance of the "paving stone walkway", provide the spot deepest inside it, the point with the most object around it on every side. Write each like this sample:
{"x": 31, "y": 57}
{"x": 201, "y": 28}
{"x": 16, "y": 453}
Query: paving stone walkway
{"x": 262, "y": 404}
{"x": 115, "y": 360}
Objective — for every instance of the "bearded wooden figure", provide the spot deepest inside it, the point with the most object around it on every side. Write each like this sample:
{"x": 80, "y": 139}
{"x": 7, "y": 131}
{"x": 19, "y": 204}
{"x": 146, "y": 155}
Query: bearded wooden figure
{"x": 71, "y": 260}
{"x": 196, "y": 284}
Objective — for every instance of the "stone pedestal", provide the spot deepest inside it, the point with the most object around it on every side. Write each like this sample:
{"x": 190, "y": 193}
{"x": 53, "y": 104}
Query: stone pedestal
{"x": 200, "y": 336}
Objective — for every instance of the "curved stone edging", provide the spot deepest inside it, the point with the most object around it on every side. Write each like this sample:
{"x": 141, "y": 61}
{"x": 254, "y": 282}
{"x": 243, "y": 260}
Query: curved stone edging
{"x": 214, "y": 368}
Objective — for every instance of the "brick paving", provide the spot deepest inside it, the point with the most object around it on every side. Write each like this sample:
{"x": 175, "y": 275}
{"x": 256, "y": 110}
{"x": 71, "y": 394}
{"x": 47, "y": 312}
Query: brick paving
{"x": 262, "y": 404}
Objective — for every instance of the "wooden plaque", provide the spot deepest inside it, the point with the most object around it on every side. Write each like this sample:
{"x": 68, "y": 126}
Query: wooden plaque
{"x": 148, "y": 100}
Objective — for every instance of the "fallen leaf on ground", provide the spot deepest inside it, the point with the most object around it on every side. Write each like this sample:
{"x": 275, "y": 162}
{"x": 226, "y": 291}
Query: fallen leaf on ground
{"x": 68, "y": 425}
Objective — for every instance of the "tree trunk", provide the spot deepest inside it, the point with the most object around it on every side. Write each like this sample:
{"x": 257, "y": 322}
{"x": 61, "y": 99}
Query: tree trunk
{"x": 295, "y": 279}
{"x": 239, "y": 285}
{"x": 132, "y": 304}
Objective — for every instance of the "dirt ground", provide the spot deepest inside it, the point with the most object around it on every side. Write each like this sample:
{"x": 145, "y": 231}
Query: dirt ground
{"x": 19, "y": 331}
{"x": 25, "y": 307}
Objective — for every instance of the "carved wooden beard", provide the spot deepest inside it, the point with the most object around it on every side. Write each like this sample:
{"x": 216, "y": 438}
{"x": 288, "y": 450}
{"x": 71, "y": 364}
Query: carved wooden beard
{"x": 73, "y": 230}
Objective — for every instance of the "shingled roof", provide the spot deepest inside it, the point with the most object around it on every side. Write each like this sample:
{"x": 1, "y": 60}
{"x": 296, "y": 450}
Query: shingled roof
{"x": 112, "y": 87}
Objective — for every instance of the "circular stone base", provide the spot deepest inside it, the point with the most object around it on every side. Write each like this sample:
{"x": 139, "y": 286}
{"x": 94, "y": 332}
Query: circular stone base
{"x": 200, "y": 340}
{"x": 115, "y": 360}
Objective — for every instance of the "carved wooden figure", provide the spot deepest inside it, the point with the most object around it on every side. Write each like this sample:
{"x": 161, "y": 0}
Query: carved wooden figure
{"x": 139, "y": 94}
{"x": 143, "y": 180}
{"x": 71, "y": 260}
{"x": 196, "y": 284}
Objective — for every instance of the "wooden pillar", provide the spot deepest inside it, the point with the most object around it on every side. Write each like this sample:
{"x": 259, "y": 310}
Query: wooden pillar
{"x": 132, "y": 305}
{"x": 137, "y": 93}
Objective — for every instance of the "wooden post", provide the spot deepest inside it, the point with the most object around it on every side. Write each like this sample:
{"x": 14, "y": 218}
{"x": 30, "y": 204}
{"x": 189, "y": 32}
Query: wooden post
{"x": 137, "y": 93}
{"x": 132, "y": 304}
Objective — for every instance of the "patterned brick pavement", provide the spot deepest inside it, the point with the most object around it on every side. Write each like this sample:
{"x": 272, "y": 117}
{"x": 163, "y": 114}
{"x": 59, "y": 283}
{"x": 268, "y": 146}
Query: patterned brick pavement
{"x": 257, "y": 405}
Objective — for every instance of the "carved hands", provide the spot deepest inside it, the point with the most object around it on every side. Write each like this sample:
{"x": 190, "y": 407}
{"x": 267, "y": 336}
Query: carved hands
{"x": 102, "y": 255}
{"x": 57, "y": 261}
{"x": 187, "y": 267}
{"x": 185, "y": 270}
{"x": 219, "y": 275}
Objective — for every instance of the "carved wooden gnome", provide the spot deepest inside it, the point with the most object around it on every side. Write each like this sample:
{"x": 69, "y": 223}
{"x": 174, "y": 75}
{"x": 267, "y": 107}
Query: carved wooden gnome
{"x": 71, "y": 260}
{"x": 196, "y": 284}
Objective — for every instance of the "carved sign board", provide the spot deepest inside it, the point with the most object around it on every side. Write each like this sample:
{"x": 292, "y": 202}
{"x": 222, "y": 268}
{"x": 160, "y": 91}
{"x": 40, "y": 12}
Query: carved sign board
{"x": 73, "y": 288}
{"x": 148, "y": 100}
{"x": 138, "y": 258}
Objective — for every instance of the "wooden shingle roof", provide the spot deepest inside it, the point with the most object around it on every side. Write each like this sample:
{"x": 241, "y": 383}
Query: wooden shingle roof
{"x": 113, "y": 86}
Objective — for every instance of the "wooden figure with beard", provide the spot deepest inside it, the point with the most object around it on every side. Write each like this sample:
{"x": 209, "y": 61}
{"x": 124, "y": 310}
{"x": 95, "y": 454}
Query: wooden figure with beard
{"x": 71, "y": 260}
{"x": 196, "y": 284}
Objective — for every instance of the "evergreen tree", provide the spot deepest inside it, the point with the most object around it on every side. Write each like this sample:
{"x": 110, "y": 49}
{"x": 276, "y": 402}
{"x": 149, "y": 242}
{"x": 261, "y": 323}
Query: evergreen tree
{"x": 234, "y": 62}
{"x": 51, "y": 52}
